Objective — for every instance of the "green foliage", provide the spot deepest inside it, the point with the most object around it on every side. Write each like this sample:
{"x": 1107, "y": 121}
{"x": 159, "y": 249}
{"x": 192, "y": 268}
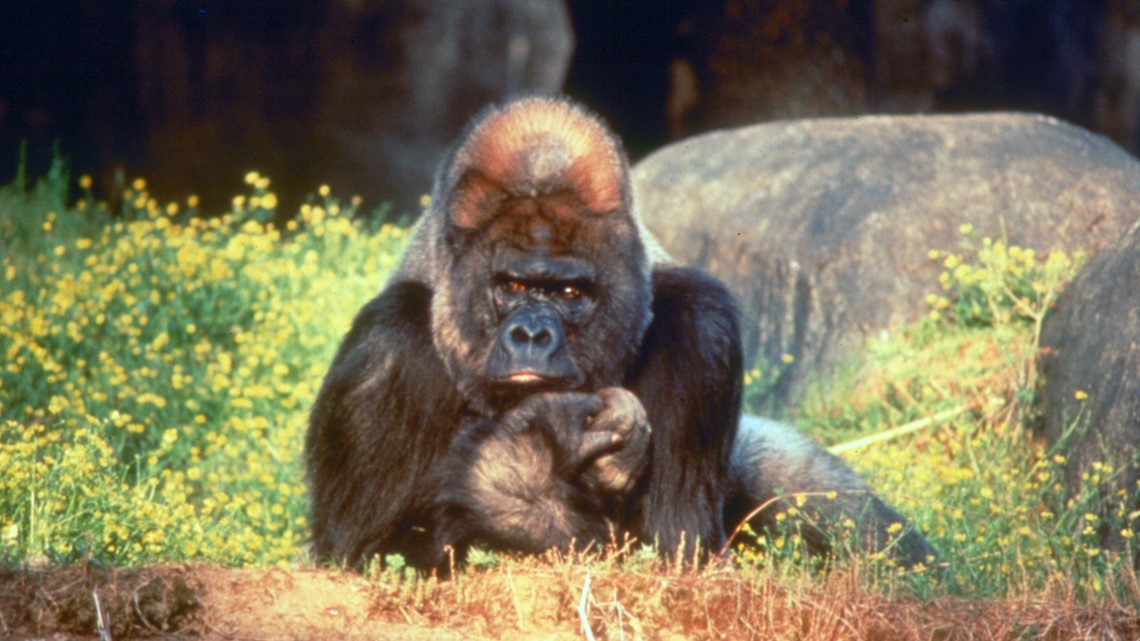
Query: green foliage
{"x": 158, "y": 370}
{"x": 760, "y": 384}
{"x": 34, "y": 221}
{"x": 1000, "y": 284}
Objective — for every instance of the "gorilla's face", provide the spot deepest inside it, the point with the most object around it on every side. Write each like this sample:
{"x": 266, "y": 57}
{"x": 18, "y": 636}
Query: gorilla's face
{"x": 541, "y": 279}
{"x": 543, "y": 311}
{"x": 541, "y": 303}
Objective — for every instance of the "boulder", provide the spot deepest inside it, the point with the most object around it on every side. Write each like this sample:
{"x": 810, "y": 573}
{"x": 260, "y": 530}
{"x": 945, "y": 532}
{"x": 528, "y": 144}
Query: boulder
{"x": 822, "y": 228}
{"x": 1088, "y": 393}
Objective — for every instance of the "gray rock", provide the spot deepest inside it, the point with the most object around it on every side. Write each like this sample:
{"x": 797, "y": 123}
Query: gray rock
{"x": 1090, "y": 344}
{"x": 822, "y": 228}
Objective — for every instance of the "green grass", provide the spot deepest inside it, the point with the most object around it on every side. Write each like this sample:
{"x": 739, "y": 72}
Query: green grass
{"x": 157, "y": 370}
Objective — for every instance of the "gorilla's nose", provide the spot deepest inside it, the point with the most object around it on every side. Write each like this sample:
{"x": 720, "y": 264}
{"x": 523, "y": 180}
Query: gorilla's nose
{"x": 524, "y": 336}
{"x": 531, "y": 347}
{"x": 532, "y": 336}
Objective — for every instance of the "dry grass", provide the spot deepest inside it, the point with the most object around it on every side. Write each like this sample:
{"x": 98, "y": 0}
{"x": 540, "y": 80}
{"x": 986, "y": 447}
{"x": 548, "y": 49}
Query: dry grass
{"x": 527, "y": 597}
{"x": 547, "y": 598}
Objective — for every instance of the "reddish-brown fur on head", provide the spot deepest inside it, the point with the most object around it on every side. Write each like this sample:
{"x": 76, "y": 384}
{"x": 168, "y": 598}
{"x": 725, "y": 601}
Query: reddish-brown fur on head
{"x": 537, "y": 148}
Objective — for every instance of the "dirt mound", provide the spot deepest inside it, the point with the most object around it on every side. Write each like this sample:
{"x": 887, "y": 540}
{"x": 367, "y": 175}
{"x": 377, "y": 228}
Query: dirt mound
{"x": 203, "y": 602}
{"x": 530, "y": 601}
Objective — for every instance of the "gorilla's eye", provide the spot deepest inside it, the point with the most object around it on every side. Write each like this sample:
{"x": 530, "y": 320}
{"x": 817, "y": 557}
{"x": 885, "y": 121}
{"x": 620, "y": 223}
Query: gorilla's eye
{"x": 570, "y": 292}
{"x": 513, "y": 286}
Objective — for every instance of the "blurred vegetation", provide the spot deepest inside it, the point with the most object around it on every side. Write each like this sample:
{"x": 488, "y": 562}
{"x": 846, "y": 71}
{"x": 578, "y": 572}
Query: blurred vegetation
{"x": 159, "y": 366}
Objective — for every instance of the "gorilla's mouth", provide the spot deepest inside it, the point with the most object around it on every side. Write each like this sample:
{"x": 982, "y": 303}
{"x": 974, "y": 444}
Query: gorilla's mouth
{"x": 525, "y": 382}
{"x": 496, "y": 395}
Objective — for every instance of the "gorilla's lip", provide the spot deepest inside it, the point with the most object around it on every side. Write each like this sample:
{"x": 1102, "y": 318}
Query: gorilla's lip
{"x": 532, "y": 380}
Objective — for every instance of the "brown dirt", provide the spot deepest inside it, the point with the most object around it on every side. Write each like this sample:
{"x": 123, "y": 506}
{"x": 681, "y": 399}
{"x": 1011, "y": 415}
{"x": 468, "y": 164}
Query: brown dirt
{"x": 519, "y": 602}
{"x": 199, "y": 601}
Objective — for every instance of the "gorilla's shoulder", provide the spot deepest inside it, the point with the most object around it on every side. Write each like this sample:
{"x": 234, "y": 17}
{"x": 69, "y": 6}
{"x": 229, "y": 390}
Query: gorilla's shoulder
{"x": 695, "y": 320}
{"x": 402, "y": 304}
{"x": 686, "y": 290}
{"x": 395, "y": 321}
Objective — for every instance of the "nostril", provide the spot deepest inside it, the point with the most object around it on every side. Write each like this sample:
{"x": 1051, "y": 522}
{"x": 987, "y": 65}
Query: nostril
{"x": 519, "y": 335}
{"x": 526, "y": 336}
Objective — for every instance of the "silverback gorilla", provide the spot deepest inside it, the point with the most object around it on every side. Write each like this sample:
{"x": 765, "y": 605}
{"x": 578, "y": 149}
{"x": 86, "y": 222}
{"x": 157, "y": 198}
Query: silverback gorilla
{"x": 538, "y": 374}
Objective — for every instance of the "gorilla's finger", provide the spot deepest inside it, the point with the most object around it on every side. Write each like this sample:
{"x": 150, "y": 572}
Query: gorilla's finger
{"x": 596, "y": 443}
{"x": 623, "y": 413}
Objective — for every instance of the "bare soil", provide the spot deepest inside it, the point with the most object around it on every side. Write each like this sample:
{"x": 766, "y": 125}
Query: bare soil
{"x": 200, "y": 602}
{"x": 208, "y": 602}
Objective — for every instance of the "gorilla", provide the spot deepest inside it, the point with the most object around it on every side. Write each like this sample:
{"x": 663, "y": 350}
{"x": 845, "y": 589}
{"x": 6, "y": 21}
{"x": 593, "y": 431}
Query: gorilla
{"x": 538, "y": 374}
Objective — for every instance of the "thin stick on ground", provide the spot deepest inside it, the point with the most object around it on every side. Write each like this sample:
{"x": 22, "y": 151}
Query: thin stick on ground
{"x": 913, "y": 426}
{"x": 104, "y": 632}
{"x": 583, "y": 609}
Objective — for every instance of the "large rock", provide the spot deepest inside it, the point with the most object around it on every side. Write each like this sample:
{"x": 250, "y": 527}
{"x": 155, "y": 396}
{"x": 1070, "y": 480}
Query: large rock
{"x": 1089, "y": 367}
{"x": 823, "y": 227}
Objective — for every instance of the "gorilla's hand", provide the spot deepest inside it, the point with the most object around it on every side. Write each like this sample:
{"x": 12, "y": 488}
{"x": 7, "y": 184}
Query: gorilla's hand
{"x": 600, "y": 438}
{"x": 562, "y": 418}
{"x": 617, "y": 469}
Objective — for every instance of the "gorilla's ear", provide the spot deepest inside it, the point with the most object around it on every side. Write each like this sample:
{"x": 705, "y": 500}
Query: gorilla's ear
{"x": 537, "y": 148}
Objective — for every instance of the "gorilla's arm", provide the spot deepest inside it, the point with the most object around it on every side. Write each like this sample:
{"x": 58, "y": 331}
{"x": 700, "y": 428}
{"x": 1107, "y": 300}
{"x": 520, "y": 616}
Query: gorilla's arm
{"x": 771, "y": 460}
{"x": 532, "y": 479}
{"x": 398, "y": 465}
{"x": 689, "y": 378}
{"x": 385, "y": 412}
{"x": 517, "y": 482}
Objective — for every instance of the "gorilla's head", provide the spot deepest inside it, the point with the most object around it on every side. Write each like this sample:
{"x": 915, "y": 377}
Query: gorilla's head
{"x": 538, "y": 270}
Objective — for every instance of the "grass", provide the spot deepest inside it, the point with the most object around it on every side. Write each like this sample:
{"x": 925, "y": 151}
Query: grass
{"x": 158, "y": 368}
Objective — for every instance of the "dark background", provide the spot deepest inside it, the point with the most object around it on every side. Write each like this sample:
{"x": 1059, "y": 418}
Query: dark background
{"x": 365, "y": 94}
